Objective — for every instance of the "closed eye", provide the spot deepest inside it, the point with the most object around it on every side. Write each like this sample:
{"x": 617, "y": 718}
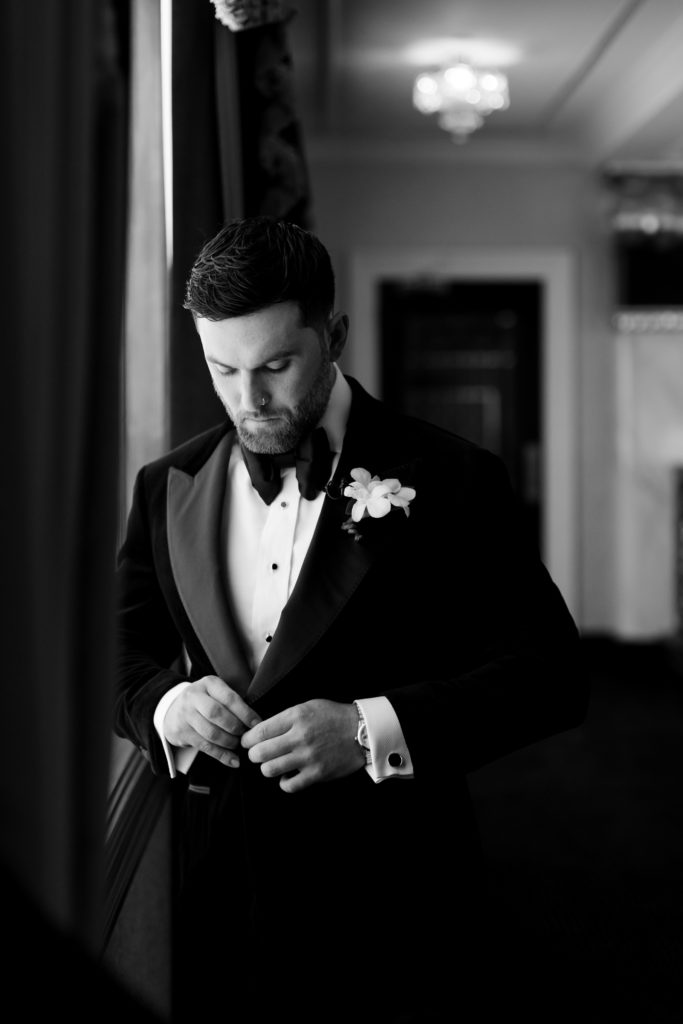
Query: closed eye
{"x": 278, "y": 366}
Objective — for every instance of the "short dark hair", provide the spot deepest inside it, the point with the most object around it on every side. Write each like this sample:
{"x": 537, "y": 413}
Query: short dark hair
{"x": 257, "y": 262}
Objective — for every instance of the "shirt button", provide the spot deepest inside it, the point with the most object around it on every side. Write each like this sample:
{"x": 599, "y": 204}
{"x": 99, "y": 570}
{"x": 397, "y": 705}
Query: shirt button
{"x": 395, "y": 760}
{"x": 284, "y": 504}
{"x": 268, "y": 638}
{"x": 274, "y": 566}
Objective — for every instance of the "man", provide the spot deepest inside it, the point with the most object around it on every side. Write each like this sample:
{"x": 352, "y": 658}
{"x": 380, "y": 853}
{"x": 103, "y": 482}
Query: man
{"x": 319, "y": 646}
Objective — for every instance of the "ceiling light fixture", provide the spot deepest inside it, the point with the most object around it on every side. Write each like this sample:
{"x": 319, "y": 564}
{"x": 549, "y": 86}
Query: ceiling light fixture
{"x": 462, "y": 95}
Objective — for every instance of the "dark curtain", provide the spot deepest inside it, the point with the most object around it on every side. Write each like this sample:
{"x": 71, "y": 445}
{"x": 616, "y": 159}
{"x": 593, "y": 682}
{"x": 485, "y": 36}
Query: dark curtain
{"x": 199, "y": 204}
{"x": 237, "y": 151}
{"x": 63, "y": 104}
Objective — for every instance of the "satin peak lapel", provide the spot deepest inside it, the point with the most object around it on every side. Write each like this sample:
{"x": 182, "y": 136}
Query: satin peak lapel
{"x": 194, "y": 516}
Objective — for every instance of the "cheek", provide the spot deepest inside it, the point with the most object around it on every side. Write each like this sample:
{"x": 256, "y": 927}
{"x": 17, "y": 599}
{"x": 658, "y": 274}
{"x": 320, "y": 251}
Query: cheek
{"x": 285, "y": 393}
{"x": 227, "y": 390}
{"x": 305, "y": 383}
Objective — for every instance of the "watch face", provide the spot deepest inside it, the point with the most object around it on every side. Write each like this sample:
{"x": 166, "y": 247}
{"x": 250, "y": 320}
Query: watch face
{"x": 363, "y": 736}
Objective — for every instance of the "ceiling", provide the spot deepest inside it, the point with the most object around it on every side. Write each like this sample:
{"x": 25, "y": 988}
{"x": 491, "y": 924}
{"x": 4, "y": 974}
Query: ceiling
{"x": 598, "y": 82}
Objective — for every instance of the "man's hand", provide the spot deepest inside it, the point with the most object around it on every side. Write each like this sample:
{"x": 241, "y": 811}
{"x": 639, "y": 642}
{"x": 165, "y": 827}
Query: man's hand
{"x": 311, "y": 742}
{"x": 209, "y": 716}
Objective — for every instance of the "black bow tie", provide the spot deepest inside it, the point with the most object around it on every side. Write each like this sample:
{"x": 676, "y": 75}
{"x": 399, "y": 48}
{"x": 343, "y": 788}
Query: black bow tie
{"x": 312, "y": 460}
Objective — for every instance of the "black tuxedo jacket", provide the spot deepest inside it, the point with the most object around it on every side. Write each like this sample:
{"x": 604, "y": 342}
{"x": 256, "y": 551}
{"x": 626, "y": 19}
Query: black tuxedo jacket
{"x": 448, "y": 612}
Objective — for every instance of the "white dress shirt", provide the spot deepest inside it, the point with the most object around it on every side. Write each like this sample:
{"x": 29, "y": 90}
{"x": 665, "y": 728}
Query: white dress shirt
{"x": 265, "y": 549}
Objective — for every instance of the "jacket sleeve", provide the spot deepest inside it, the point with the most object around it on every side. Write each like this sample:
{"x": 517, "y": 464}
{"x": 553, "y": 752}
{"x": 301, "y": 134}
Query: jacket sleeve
{"x": 525, "y": 680}
{"x": 149, "y": 644}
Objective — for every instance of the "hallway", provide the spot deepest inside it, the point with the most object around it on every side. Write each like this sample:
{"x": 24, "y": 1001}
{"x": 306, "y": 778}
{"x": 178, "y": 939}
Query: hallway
{"x": 584, "y": 837}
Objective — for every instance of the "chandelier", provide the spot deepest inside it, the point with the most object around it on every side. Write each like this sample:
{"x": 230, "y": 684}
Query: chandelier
{"x": 462, "y": 95}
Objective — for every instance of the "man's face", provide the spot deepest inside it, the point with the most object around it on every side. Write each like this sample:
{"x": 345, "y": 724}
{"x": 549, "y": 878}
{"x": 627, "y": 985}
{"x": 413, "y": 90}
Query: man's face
{"x": 269, "y": 356}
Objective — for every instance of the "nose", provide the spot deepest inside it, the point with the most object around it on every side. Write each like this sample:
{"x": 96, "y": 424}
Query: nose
{"x": 253, "y": 398}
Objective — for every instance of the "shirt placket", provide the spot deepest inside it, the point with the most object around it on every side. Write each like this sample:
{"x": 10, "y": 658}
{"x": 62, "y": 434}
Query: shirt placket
{"x": 274, "y": 564}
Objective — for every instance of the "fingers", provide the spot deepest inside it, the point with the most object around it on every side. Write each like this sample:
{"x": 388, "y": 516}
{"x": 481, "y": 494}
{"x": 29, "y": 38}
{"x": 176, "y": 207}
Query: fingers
{"x": 231, "y": 700}
{"x": 297, "y": 781}
{"x": 287, "y": 764}
{"x": 220, "y": 753}
{"x": 291, "y": 770}
{"x": 278, "y": 725}
{"x": 305, "y": 744}
{"x": 207, "y": 719}
{"x": 209, "y": 716}
{"x": 281, "y": 746}
{"x": 276, "y": 745}
{"x": 269, "y": 749}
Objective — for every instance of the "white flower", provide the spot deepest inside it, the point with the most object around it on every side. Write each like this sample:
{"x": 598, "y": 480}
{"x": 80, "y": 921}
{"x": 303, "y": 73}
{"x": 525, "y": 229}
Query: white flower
{"x": 374, "y": 497}
{"x": 242, "y": 14}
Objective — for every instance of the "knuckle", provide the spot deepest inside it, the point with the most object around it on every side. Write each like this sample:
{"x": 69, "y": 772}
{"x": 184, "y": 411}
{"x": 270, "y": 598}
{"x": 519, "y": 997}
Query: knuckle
{"x": 230, "y": 698}
{"x": 307, "y": 754}
{"x": 306, "y": 733}
{"x": 213, "y": 734}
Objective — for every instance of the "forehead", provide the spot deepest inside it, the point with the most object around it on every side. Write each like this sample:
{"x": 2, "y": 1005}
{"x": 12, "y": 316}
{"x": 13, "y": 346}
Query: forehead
{"x": 248, "y": 341}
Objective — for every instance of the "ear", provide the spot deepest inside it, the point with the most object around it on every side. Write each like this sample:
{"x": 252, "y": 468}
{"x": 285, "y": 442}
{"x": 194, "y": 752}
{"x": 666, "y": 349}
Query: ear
{"x": 337, "y": 330}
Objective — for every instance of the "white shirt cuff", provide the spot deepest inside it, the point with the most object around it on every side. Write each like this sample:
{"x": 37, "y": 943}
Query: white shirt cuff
{"x": 387, "y": 742}
{"x": 178, "y": 759}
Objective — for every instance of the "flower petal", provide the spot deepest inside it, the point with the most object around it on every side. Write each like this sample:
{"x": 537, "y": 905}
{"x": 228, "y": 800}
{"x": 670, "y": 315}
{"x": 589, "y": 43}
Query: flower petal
{"x": 362, "y": 476}
{"x": 377, "y": 488}
{"x": 392, "y": 484}
{"x": 379, "y": 506}
{"x": 358, "y": 511}
{"x": 402, "y": 497}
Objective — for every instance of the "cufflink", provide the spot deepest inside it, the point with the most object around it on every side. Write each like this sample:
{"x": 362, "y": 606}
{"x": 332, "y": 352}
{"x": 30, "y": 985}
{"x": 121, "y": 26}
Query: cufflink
{"x": 395, "y": 760}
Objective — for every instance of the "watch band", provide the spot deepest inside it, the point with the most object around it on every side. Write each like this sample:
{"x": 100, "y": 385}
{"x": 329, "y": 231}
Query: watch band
{"x": 361, "y": 736}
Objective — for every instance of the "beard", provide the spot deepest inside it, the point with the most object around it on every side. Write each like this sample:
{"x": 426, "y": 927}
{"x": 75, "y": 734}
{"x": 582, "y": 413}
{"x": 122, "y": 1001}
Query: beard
{"x": 293, "y": 424}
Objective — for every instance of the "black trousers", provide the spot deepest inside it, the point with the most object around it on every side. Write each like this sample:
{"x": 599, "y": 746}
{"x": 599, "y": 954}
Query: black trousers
{"x": 316, "y": 942}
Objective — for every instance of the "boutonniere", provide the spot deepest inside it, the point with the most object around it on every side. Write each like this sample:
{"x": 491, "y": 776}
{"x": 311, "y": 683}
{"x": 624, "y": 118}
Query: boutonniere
{"x": 373, "y": 497}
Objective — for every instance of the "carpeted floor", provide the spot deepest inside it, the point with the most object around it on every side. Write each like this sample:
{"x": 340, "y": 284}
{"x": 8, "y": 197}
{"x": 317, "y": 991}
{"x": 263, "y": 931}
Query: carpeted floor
{"x": 583, "y": 834}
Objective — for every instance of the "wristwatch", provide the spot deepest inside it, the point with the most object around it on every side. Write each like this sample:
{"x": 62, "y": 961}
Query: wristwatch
{"x": 362, "y": 734}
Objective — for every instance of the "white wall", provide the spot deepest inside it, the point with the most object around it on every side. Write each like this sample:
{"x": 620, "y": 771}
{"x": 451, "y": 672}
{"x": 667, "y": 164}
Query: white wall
{"x": 650, "y": 447}
{"x": 412, "y": 203}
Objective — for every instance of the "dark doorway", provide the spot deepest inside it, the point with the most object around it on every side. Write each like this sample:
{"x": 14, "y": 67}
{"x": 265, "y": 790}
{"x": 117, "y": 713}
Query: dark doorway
{"x": 466, "y": 356}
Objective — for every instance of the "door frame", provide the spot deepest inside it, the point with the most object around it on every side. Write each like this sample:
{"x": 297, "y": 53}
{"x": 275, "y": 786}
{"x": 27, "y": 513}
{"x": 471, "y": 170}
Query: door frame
{"x": 554, "y": 269}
